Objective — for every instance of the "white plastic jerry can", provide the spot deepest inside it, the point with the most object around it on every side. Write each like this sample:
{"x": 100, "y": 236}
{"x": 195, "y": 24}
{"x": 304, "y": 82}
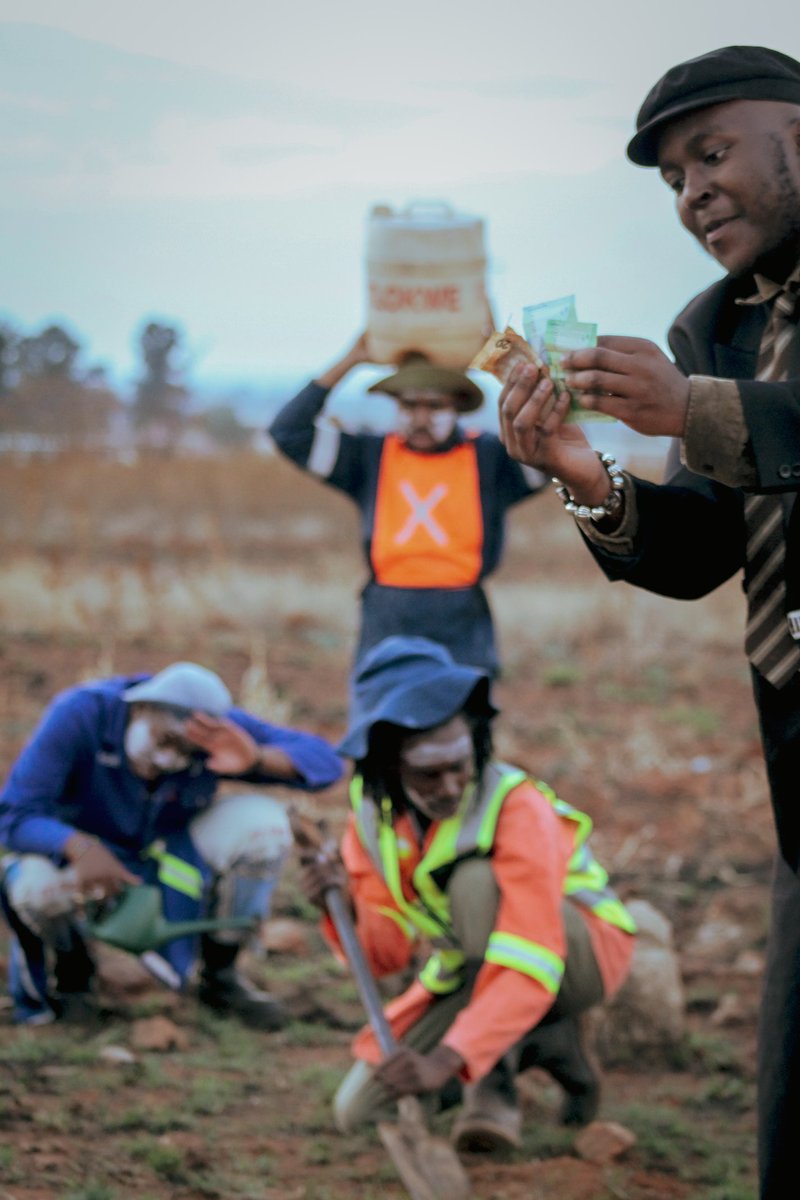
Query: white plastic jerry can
{"x": 426, "y": 284}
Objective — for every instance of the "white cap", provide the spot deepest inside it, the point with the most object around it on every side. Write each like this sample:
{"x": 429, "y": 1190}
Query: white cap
{"x": 183, "y": 685}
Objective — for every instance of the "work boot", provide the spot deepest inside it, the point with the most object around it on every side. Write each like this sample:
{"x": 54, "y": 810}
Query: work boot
{"x": 73, "y": 1000}
{"x": 558, "y": 1048}
{"x": 490, "y": 1119}
{"x": 488, "y": 1122}
{"x": 76, "y": 1008}
{"x": 225, "y": 991}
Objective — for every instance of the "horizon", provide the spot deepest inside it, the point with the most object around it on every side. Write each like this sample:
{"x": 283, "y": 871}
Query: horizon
{"x": 164, "y": 164}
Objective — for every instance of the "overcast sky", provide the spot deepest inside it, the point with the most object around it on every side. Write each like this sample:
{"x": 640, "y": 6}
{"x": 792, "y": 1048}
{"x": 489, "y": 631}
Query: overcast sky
{"x": 213, "y": 165}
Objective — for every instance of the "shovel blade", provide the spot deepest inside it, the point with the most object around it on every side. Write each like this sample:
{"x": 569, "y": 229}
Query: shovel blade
{"x": 428, "y": 1166}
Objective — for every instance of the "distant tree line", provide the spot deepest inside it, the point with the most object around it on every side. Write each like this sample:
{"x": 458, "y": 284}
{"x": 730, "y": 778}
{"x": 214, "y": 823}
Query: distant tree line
{"x": 49, "y": 400}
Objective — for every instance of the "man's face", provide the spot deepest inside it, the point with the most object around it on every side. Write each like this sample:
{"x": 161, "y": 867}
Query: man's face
{"x": 156, "y": 742}
{"x": 425, "y": 419}
{"x": 735, "y": 170}
{"x": 436, "y": 766}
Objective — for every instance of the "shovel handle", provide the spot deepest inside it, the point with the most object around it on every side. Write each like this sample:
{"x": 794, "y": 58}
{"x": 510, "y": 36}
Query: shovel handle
{"x": 339, "y": 911}
{"x": 428, "y": 1167}
{"x": 310, "y": 835}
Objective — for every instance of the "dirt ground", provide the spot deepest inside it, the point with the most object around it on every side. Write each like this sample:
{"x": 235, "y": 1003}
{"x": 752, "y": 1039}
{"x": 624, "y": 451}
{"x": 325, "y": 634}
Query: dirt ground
{"x": 650, "y": 730}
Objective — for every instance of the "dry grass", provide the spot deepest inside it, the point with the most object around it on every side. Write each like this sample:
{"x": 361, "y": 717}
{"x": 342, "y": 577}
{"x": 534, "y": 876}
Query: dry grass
{"x": 248, "y": 543}
{"x": 248, "y": 565}
{"x": 163, "y": 597}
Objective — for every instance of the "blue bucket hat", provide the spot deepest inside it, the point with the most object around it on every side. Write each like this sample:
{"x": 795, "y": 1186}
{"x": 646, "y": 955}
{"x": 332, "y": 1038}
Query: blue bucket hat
{"x": 413, "y": 683}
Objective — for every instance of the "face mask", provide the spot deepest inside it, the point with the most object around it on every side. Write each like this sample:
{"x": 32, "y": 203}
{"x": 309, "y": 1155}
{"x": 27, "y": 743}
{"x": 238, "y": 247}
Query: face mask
{"x": 147, "y": 757}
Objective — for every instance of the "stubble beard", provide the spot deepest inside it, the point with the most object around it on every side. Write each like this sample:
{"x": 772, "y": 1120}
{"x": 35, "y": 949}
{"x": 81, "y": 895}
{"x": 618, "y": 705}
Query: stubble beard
{"x": 779, "y": 257}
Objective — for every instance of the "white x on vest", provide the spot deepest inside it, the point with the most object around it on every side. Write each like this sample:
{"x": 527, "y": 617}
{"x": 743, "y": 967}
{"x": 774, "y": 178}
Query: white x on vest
{"x": 422, "y": 513}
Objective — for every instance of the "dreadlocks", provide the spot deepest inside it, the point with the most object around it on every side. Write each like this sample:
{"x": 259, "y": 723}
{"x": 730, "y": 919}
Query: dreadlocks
{"x": 379, "y": 770}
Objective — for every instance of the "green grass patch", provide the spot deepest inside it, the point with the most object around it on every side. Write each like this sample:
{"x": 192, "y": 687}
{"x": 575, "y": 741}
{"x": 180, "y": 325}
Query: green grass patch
{"x": 699, "y": 719}
{"x": 653, "y": 686}
{"x": 165, "y": 1161}
{"x": 149, "y": 1119}
{"x": 92, "y": 1191}
{"x": 562, "y": 675}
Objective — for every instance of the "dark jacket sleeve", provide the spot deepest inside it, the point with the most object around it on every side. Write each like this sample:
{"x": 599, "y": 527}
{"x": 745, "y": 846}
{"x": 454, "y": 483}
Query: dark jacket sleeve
{"x": 292, "y": 430}
{"x": 690, "y": 534}
{"x": 689, "y": 538}
{"x": 316, "y": 762}
{"x": 334, "y": 455}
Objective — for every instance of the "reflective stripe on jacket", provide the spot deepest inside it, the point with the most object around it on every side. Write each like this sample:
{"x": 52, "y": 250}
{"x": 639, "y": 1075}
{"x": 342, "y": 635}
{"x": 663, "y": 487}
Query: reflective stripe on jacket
{"x": 471, "y": 832}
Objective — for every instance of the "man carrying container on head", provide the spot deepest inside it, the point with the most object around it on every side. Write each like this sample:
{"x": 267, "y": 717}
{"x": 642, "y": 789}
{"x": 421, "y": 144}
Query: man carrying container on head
{"x": 447, "y": 846}
{"x": 117, "y": 787}
{"x": 432, "y": 498}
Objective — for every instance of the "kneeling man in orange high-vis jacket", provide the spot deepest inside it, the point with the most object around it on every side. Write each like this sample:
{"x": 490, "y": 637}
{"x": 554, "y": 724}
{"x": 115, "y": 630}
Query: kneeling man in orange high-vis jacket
{"x": 492, "y": 872}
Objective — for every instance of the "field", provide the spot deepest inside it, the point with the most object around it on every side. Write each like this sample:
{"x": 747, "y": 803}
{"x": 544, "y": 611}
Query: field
{"x": 635, "y": 709}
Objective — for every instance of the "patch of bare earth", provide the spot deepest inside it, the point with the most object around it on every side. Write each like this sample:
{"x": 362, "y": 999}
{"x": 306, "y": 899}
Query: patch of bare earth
{"x": 634, "y": 709}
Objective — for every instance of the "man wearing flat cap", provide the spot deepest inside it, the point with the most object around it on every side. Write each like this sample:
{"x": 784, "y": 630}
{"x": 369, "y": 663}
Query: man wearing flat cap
{"x": 724, "y": 132}
{"x": 118, "y": 787}
{"x": 432, "y": 498}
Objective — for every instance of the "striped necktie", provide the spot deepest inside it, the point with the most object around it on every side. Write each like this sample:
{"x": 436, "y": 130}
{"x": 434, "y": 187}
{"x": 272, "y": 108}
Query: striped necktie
{"x": 769, "y": 644}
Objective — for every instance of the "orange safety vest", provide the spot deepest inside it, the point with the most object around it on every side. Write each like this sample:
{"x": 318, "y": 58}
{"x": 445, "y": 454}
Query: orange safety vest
{"x": 428, "y": 527}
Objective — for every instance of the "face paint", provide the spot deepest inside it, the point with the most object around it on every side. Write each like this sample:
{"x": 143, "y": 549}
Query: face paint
{"x": 436, "y": 767}
{"x": 425, "y": 422}
{"x": 151, "y": 749}
{"x": 428, "y": 754}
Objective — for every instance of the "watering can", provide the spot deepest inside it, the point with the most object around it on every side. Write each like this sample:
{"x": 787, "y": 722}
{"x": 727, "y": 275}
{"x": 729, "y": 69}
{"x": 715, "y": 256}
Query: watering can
{"x": 137, "y": 922}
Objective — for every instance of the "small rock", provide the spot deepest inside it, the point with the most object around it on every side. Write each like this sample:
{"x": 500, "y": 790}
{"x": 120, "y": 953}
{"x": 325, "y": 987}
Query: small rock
{"x": 648, "y": 1013}
{"x": 749, "y": 962}
{"x": 602, "y": 1141}
{"x": 729, "y": 1011}
{"x": 158, "y": 1033}
{"x": 715, "y": 938}
{"x": 117, "y": 1055}
{"x": 285, "y": 936}
{"x": 121, "y": 975}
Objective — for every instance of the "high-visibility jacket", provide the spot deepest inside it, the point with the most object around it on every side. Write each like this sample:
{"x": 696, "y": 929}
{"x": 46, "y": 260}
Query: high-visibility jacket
{"x": 471, "y": 832}
{"x": 539, "y": 853}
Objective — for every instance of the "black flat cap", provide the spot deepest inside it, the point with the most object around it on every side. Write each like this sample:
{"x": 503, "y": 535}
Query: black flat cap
{"x": 732, "y": 73}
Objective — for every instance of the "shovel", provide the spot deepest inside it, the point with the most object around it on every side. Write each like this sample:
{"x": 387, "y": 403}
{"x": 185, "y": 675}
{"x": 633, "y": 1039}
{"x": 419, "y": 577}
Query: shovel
{"x": 428, "y": 1166}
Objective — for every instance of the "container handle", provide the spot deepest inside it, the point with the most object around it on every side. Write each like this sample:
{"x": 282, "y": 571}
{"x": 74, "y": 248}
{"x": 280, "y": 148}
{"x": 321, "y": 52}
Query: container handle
{"x": 440, "y": 206}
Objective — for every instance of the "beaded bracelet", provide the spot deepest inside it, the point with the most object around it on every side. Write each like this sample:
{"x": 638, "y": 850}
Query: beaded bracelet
{"x": 611, "y": 504}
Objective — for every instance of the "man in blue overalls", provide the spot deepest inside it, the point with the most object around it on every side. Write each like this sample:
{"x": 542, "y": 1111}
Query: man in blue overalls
{"x": 117, "y": 787}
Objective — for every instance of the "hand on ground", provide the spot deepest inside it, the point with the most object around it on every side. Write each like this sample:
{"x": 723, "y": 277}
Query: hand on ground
{"x": 408, "y": 1073}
